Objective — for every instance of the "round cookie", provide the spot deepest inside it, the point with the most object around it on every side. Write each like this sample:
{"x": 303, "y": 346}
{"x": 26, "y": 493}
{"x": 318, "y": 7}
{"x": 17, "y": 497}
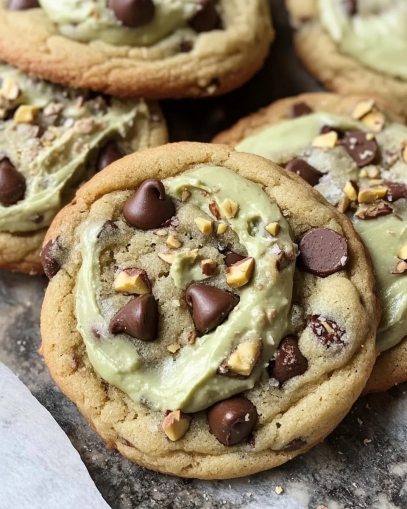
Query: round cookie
{"x": 52, "y": 139}
{"x": 354, "y": 46}
{"x": 254, "y": 359}
{"x": 151, "y": 48}
{"x": 360, "y": 165}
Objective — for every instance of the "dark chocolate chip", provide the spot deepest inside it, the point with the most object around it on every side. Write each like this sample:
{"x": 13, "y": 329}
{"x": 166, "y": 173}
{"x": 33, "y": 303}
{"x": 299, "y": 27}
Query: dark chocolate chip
{"x": 49, "y": 262}
{"x": 300, "y": 109}
{"x": 325, "y": 129}
{"x": 289, "y": 361}
{"x": 138, "y": 319}
{"x": 108, "y": 155}
{"x": 186, "y": 46}
{"x": 133, "y": 13}
{"x": 360, "y": 149}
{"x": 350, "y": 7}
{"x": 107, "y": 229}
{"x": 395, "y": 191}
{"x": 12, "y": 184}
{"x": 305, "y": 171}
{"x": 323, "y": 252}
{"x": 209, "y": 305}
{"x": 232, "y": 420}
{"x": 150, "y": 207}
{"x": 207, "y": 18}
{"x": 326, "y": 335}
{"x": 22, "y": 5}
{"x": 37, "y": 218}
{"x": 295, "y": 445}
{"x": 231, "y": 258}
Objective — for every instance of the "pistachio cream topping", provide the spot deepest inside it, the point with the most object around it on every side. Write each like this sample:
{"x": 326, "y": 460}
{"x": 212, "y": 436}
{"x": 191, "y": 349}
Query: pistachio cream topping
{"x": 375, "y": 34}
{"x": 50, "y": 137}
{"x": 254, "y": 326}
{"x": 364, "y": 173}
{"x": 121, "y": 23}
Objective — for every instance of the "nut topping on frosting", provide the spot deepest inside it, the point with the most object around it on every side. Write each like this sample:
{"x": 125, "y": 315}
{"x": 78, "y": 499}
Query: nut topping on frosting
{"x": 305, "y": 171}
{"x": 289, "y": 361}
{"x": 138, "y": 319}
{"x": 133, "y": 13}
{"x": 240, "y": 273}
{"x": 229, "y": 208}
{"x": 362, "y": 108}
{"x": 402, "y": 254}
{"x": 326, "y": 140}
{"x": 243, "y": 358}
{"x": 25, "y": 114}
{"x": 12, "y": 184}
{"x": 372, "y": 194}
{"x": 273, "y": 228}
{"x": 378, "y": 209}
{"x": 176, "y": 424}
{"x": 351, "y": 190}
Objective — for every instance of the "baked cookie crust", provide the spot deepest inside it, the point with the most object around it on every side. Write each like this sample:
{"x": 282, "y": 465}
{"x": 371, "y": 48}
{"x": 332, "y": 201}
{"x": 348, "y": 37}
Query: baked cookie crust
{"x": 220, "y": 60}
{"x": 310, "y": 408}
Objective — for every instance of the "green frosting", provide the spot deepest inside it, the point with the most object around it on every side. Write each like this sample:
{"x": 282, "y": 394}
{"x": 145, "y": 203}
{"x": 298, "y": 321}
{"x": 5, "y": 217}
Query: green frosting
{"x": 190, "y": 382}
{"x": 376, "y": 36}
{"x": 73, "y": 129}
{"x": 383, "y": 236}
{"x": 92, "y": 20}
{"x": 185, "y": 269}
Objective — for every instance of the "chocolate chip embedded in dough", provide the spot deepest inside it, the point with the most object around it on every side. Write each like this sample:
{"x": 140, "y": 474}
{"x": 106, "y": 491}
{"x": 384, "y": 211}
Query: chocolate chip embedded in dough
{"x": 12, "y": 183}
{"x": 231, "y": 258}
{"x": 22, "y": 5}
{"x": 108, "y": 155}
{"x": 289, "y": 361}
{"x": 150, "y": 207}
{"x": 49, "y": 262}
{"x": 232, "y": 420}
{"x": 360, "y": 147}
{"x": 209, "y": 305}
{"x": 138, "y": 319}
{"x": 323, "y": 252}
{"x": 133, "y": 13}
{"x": 108, "y": 228}
{"x": 295, "y": 445}
{"x": 300, "y": 109}
{"x": 207, "y": 18}
{"x": 350, "y": 7}
{"x": 327, "y": 331}
{"x": 395, "y": 191}
{"x": 305, "y": 171}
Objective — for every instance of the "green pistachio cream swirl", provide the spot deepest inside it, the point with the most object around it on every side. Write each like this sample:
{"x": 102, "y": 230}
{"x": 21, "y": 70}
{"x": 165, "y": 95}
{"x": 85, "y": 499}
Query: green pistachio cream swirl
{"x": 50, "y": 138}
{"x": 191, "y": 381}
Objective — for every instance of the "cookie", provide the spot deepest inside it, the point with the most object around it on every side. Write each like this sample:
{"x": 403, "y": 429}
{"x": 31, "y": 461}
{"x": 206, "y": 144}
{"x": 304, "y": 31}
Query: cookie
{"x": 149, "y": 48}
{"x": 354, "y": 47}
{"x": 52, "y": 139}
{"x": 355, "y": 155}
{"x": 180, "y": 323}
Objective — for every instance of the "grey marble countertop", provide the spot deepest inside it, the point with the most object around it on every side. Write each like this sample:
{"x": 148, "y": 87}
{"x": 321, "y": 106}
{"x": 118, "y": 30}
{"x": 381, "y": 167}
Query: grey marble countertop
{"x": 362, "y": 464}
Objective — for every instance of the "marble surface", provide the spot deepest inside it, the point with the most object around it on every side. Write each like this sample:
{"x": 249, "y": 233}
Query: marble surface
{"x": 362, "y": 464}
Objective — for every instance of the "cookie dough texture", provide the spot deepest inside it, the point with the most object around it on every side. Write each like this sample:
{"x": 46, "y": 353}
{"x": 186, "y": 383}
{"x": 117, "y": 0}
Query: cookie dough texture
{"x": 391, "y": 366}
{"x": 219, "y": 61}
{"x": 337, "y": 71}
{"x": 304, "y": 410}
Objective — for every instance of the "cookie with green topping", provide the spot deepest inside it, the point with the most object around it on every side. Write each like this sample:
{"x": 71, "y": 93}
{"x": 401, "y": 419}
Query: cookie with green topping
{"x": 356, "y": 156}
{"x": 52, "y": 139}
{"x": 185, "y": 327}
{"x": 354, "y": 46}
{"x": 138, "y": 48}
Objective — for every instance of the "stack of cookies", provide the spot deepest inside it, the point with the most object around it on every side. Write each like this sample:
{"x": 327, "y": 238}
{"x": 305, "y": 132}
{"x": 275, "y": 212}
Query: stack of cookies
{"x": 204, "y": 297}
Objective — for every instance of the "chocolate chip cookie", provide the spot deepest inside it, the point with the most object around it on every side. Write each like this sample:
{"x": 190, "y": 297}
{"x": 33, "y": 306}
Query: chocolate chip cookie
{"x": 138, "y": 48}
{"x": 184, "y": 326}
{"x": 354, "y": 46}
{"x": 52, "y": 139}
{"x": 356, "y": 156}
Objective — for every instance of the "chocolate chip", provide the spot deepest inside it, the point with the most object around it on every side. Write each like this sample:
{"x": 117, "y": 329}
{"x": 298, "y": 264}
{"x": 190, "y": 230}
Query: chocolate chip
{"x": 108, "y": 229}
{"x": 209, "y": 305}
{"x": 37, "y": 218}
{"x": 350, "y": 7}
{"x": 360, "y": 149}
{"x": 295, "y": 445}
{"x": 231, "y": 258}
{"x": 305, "y": 171}
{"x": 327, "y": 331}
{"x": 12, "y": 184}
{"x": 150, "y": 207}
{"x": 325, "y": 129}
{"x": 108, "y": 155}
{"x": 232, "y": 420}
{"x": 207, "y": 18}
{"x": 49, "y": 262}
{"x": 300, "y": 109}
{"x": 378, "y": 209}
{"x": 289, "y": 361}
{"x": 22, "y": 5}
{"x": 395, "y": 191}
{"x": 138, "y": 319}
{"x": 133, "y": 13}
{"x": 323, "y": 252}
{"x": 186, "y": 46}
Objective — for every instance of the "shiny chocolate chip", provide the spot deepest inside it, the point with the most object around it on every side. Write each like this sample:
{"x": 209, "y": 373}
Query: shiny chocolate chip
{"x": 327, "y": 331}
{"x": 133, "y": 13}
{"x": 209, "y": 305}
{"x": 22, "y": 5}
{"x": 300, "y": 109}
{"x": 49, "y": 262}
{"x": 108, "y": 155}
{"x": 231, "y": 258}
{"x": 150, "y": 207}
{"x": 207, "y": 18}
{"x": 232, "y": 420}
{"x": 350, "y": 7}
{"x": 138, "y": 319}
{"x": 295, "y": 445}
{"x": 395, "y": 191}
{"x": 108, "y": 229}
{"x": 361, "y": 149}
{"x": 289, "y": 361}
{"x": 323, "y": 252}
{"x": 12, "y": 184}
{"x": 305, "y": 171}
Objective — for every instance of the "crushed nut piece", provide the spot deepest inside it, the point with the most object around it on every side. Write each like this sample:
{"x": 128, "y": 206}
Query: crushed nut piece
{"x": 328, "y": 140}
{"x": 279, "y": 490}
{"x": 327, "y": 327}
{"x": 173, "y": 242}
{"x": 208, "y": 267}
{"x": 374, "y": 120}
{"x": 343, "y": 205}
{"x": 222, "y": 227}
{"x": 214, "y": 209}
{"x": 376, "y": 210}
{"x": 351, "y": 190}
{"x": 191, "y": 337}
{"x": 243, "y": 359}
{"x": 273, "y": 228}
{"x": 161, "y": 233}
{"x": 362, "y": 108}
{"x": 134, "y": 281}
{"x": 167, "y": 257}
{"x": 185, "y": 195}
{"x": 175, "y": 425}
{"x": 363, "y": 174}
{"x": 372, "y": 194}
{"x": 402, "y": 254}
{"x": 9, "y": 89}
{"x": 229, "y": 208}
{"x": 204, "y": 225}
{"x": 25, "y": 114}
{"x": 373, "y": 172}
{"x": 404, "y": 152}
{"x": 400, "y": 268}
{"x": 240, "y": 273}
{"x": 174, "y": 347}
